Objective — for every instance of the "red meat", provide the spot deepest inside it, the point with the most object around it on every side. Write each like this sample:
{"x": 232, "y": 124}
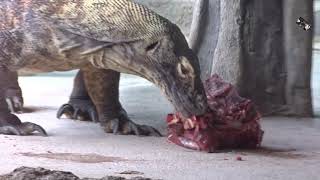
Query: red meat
{"x": 231, "y": 122}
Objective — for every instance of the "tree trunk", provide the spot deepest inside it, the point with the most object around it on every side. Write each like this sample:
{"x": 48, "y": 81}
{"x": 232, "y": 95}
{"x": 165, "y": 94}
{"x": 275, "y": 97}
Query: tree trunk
{"x": 263, "y": 62}
{"x": 204, "y": 33}
{"x": 242, "y": 41}
{"x": 298, "y": 53}
{"x": 228, "y": 53}
{"x": 199, "y": 21}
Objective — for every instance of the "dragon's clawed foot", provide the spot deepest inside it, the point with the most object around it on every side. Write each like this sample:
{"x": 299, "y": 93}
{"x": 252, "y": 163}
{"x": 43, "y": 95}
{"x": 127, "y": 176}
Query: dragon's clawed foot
{"x": 82, "y": 109}
{"x": 14, "y": 100}
{"x": 10, "y": 124}
{"x": 124, "y": 126}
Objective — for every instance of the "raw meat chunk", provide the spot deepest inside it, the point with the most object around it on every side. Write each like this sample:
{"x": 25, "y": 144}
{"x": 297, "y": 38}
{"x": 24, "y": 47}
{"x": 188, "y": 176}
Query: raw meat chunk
{"x": 231, "y": 122}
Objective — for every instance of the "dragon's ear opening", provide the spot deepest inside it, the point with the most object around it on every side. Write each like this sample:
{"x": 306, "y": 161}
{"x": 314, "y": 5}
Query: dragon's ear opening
{"x": 184, "y": 68}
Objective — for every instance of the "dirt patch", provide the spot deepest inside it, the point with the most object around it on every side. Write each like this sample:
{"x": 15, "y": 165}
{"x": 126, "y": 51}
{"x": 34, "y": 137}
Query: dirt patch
{"x": 74, "y": 157}
{"x": 132, "y": 173}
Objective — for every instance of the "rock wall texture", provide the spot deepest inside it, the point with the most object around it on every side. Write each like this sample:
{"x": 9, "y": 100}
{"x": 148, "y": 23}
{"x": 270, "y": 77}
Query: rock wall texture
{"x": 317, "y": 24}
{"x": 28, "y": 173}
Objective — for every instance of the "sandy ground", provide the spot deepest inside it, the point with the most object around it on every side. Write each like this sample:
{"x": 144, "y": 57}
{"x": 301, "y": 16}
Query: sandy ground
{"x": 291, "y": 147}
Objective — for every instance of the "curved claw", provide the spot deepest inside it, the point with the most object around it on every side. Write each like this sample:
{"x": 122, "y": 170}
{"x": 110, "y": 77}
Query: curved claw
{"x": 93, "y": 116}
{"x": 150, "y": 130}
{"x": 76, "y": 113}
{"x": 14, "y": 104}
{"x": 78, "y": 110}
{"x": 25, "y": 128}
{"x": 64, "y": 109}
{"x": 29, "y": 127}
{"x": 115, "y": 126}
{"x": 14, "y": 99}
{"x": 11, "y": 124}
{"x": 135, "y": 129}
{"x": 128, "y": 127}
{"x": 10, "y": 130}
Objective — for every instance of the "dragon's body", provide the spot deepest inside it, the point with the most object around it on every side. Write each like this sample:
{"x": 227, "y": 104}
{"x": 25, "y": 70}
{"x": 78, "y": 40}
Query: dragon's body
{"x": 101, "y": 38}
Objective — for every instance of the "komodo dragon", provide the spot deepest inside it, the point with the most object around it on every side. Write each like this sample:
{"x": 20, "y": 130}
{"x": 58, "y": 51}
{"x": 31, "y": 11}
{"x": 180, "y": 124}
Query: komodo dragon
{"x": 102, "y": 38}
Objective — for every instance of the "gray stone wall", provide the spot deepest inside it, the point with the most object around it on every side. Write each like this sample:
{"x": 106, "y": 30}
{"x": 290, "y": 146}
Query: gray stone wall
{"x": 317, "y": 25}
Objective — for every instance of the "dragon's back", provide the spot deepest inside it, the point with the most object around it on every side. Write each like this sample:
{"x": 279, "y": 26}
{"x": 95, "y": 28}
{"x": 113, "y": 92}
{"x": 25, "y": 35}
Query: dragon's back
{"x": 12, "y": 13}
{"x": 113, "y": 20}
{"x": 34, "y": 24}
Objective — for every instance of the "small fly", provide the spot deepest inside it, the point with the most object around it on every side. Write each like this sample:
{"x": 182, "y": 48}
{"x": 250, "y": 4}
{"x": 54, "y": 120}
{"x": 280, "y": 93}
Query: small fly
{"x": 304, "y": 24}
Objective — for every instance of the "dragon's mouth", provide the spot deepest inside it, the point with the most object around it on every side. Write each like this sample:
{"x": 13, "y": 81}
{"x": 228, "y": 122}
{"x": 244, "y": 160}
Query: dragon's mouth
{"x": 231, "y": 122}
{"x": 186, "y": 102}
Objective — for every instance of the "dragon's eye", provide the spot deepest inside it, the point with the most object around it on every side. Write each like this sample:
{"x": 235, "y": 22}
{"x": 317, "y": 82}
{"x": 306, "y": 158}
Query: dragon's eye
{"x": 152, "y": 46}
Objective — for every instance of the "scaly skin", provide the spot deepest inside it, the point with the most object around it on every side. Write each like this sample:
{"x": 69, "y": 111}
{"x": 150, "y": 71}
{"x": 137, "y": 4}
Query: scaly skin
{"x": 12, "y": 90}
{"x": 103, "y": 39}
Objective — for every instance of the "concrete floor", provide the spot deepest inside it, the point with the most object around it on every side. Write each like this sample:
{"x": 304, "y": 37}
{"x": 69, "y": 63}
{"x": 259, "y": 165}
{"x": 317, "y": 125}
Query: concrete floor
{"x": 291, "y": 147}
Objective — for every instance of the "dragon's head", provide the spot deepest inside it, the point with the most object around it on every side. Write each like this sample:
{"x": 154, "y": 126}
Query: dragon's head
{"x": 166, "y": 60}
